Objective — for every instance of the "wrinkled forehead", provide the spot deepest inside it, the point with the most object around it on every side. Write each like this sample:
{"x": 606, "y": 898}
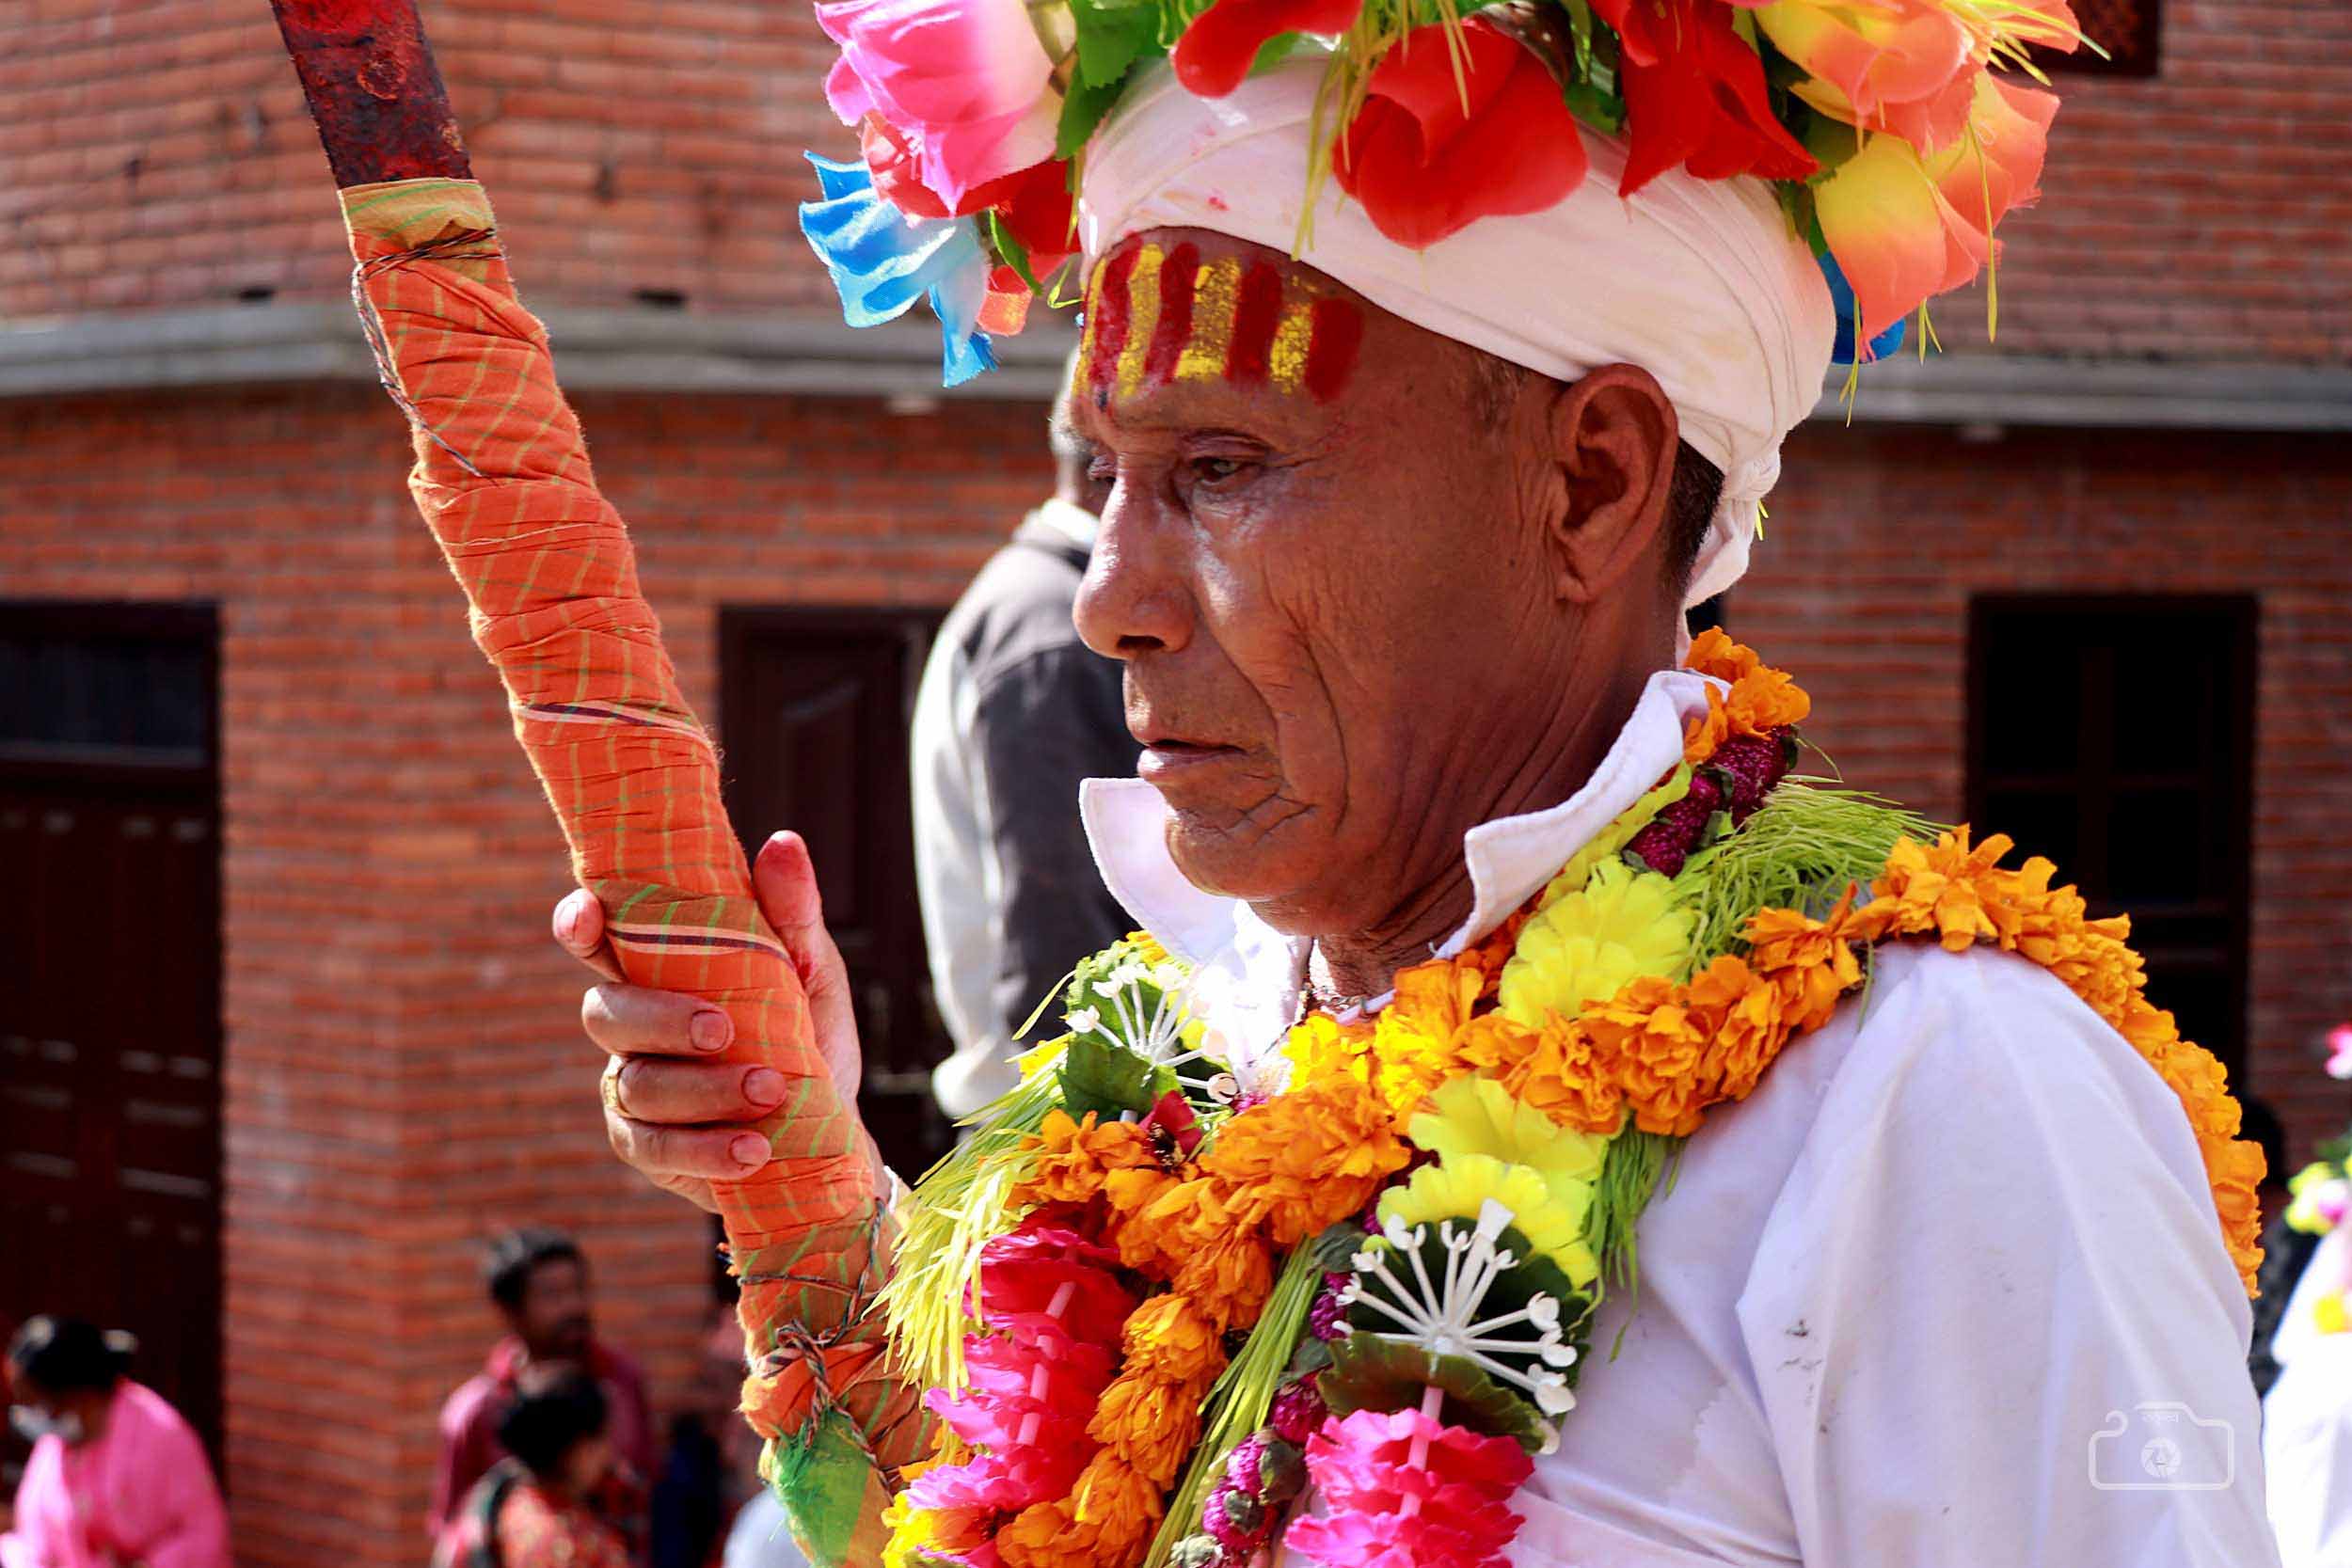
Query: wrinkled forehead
{"x": 1171, "y": 306}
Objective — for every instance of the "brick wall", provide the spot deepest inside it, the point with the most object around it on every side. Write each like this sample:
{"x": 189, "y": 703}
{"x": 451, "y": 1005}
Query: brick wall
{"x": 403, "y": 1068}
{"x": 157, "y": 154}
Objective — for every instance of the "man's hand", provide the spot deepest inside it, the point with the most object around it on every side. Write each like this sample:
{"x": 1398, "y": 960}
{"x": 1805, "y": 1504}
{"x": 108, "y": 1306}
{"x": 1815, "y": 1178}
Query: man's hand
{"x": 682, "y": 1120}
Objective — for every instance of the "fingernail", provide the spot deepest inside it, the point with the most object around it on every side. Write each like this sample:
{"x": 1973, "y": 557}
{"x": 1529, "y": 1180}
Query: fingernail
{"x": 568, "y": 920}
{"x": 763, "y": 1087}
{"x": 710, "y": 1031}
{"x": 750, "y": 1150}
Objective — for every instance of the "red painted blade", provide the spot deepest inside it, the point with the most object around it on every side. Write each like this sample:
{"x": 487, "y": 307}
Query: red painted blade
{"x": 375, "y": 92}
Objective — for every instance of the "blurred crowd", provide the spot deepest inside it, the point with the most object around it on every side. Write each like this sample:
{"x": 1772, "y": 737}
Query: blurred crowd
{"x": 549, "y": 1457}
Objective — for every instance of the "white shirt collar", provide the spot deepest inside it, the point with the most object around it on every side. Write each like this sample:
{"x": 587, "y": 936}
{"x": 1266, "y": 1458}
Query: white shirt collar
{"x": 1251, "y": 976}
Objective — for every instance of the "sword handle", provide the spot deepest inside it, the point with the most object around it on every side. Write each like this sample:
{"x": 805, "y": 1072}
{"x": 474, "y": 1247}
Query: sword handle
{"x": 375, "y": 94}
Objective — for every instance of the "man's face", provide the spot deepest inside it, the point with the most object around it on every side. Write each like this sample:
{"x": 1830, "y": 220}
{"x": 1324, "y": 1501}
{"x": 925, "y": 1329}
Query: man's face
{"x": 553, "y": 1316}
{"x": 1322, "y": 566}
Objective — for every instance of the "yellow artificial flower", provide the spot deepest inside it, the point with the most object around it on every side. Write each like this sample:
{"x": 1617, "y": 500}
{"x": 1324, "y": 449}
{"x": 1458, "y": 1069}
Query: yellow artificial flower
{"x": 1578, "y": 872}
{"x": 1621, "y": 925}
{"x": 2320, "y": 1193}
{"x": 1477, "y": 1116}
{"x": 2327, "y": 1312}
{"x": 1039, "y": 1057}
{"x": 1550, "y": 1214}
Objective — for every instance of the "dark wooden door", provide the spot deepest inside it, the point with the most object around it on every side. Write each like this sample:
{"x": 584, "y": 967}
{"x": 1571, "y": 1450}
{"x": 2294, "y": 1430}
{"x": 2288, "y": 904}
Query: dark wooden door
{"x": 110, "y": 1039}
{"x": 2115, "y": 734}
{"x": 814, "y": 711}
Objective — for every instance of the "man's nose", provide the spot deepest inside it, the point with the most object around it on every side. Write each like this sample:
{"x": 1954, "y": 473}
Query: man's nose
{"x": 1134, "y": 600}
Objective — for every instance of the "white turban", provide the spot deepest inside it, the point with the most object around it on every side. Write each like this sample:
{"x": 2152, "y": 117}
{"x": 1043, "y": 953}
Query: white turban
{"x": 1697, "y": 282}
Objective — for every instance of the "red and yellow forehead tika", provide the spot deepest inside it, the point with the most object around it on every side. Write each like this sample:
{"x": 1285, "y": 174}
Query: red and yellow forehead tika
{"x": 1156, "y": 315}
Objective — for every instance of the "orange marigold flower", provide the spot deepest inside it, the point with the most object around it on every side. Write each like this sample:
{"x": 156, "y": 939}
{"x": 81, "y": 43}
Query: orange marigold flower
{"x": 1231, "y": 1275}
{"x": 1495, "y": 1047}
{"x": 1158, "y": 1219}
{"x": 1714, "y": 653}
{"x": 1647, "y": 1042}
{"x": 1170, "y": 1336}
{"x": 1074, "y": 1157}
{"x": 1149, "y": 1421}
{"x": 1811, "y": 963}
{"x": 1303, "y": 1159}
{"x": 1934, "y": 890}
{"x": 1738, "y": 1013}
{"x": 1765, "y": 700}
{"x": 1702, "y": 734}
{"x": 1564, "y": 1077}
{"x": 1108, "y": 1519}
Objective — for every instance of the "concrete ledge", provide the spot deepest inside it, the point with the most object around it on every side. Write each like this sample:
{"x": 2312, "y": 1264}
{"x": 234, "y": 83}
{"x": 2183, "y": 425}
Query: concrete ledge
{"x": 661, "y": 350}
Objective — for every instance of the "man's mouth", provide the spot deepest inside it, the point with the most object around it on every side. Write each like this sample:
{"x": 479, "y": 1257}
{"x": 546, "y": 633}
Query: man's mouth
{"x": 1168, "y": 758}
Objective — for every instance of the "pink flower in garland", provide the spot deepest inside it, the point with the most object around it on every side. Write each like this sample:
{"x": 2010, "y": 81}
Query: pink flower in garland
{"x": 1402, "y": 1489}
{"x": 2340, "y": 1052}
{"x": 967, "y": 83}
{"x": 1024, "y": 1274}
{"x": 1052, "y": 1307}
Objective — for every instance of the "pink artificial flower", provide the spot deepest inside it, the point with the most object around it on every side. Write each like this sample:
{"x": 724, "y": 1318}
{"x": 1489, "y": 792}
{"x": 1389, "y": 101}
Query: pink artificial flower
{"x": 1009, "y": 1481}
{"x": 1026, "y": 1271}
{"x": 2340, "y": 1052}
{"x": 967, "y": 82}
{"x": 1363, "y": 1469}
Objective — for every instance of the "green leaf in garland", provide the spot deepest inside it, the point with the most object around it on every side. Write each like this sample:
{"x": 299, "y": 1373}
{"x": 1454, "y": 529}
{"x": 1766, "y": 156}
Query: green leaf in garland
{"x": 1107, "y": 1079}
{"x": 1368, "y": 1372}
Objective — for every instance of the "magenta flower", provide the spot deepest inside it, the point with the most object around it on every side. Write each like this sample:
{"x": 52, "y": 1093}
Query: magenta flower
{"x": 2340, "y": 1052}
{"x": 967, "y": 82}
{"x": 1400, "y": 1488}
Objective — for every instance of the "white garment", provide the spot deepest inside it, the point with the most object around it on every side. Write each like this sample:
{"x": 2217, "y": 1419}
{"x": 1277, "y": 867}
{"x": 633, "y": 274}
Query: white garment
{"x": 1893, "y": 1300}
{"x": 760, "y": 1538}
{"x": 959, "y": 874}
{"x": 1699, "y": 282}
{"x": 2307, "y": 1420}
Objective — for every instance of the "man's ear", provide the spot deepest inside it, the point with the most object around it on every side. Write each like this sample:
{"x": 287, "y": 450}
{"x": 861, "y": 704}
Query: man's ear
{"x": 1613, "y": 438}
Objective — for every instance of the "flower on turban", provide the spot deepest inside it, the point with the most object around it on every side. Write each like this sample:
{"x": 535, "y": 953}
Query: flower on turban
{"x": 1420, "y": 155}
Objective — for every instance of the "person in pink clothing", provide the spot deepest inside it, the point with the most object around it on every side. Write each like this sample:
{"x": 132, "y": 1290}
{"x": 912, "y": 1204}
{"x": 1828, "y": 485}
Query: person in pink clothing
{"x": 538, "y": 1280}
{"x": 118, "y": 1479}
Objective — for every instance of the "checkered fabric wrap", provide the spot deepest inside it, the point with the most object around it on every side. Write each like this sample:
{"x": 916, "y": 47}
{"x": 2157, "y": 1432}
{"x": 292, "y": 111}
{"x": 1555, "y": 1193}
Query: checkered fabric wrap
{"x": 503, "y": 480}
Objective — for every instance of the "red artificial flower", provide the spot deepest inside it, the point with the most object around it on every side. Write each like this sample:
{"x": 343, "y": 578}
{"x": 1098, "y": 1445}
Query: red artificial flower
{"x": 1442, "y": 141}
{"x": 1035, "y": 208}
{"x": 1041, "y": 192}
{"x": 1694, "y": 96}
{"x": 1216, "y": 51}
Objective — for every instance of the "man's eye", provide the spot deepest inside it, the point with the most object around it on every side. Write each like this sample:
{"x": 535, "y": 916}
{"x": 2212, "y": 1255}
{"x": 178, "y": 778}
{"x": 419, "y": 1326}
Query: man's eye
{"x": 1216, "y": 470}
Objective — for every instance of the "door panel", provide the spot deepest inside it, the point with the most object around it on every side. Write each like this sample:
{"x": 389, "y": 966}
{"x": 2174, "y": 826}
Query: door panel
{"x": 814, "y": 711}
{"x": 110, "y": 1039}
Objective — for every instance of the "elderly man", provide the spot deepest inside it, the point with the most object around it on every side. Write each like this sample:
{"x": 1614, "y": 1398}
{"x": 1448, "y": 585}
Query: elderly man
{"x": 1399, "y": 601}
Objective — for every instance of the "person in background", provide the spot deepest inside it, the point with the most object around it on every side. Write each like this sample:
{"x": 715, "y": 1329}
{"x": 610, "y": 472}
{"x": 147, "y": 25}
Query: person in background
{"x": 117, "y": 1477}
{"x": 536, "y": 1508}
{"x": 538, "y": 1280}
{"x": 2285, "y": 1249}
{"x": 1014, "y": 710}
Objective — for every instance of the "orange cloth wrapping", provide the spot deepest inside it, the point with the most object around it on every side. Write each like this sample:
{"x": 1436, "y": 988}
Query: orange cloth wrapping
{"x": 503, "y": 480}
